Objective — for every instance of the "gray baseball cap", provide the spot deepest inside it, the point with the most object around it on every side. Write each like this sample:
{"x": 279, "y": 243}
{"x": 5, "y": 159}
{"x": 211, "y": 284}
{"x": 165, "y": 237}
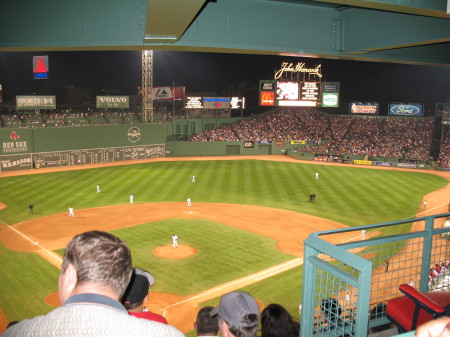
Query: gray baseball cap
{"x": 234, "y": 306}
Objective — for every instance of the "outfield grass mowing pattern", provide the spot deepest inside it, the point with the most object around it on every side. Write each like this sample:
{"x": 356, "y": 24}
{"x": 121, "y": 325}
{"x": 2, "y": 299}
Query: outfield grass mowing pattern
{"x": 347, "y": 195}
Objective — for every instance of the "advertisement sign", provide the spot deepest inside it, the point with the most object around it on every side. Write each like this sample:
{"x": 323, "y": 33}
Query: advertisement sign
{"x": 362, "y": 162}
{"x": 108, "y": 102}
{"x": 248, "y": 144}
{"x": 35, "y": 102}
{"x": 364, "y": 108}
{"x": 40, "y": 67}
{"x": 330, "y": 94}
{"x": 405, "y": 109}
{"x": 216, "y": 103}
{"x": 266, "y": 85}
{"x": 267, "y": 98}
{"x": 16, "y": 141}
{"x": 15, "y": 163}
{"x": 384, "y": 163}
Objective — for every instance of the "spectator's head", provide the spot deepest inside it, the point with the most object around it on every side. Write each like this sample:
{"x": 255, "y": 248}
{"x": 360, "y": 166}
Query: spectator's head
{"x": 205, "y": 324}
{"x": 277, "y": 322}
{"x": 95, "y": 262}
{"x": 331, "y": 308}
{"x": 238, "y": 315}
{"x": 137, "y": 291}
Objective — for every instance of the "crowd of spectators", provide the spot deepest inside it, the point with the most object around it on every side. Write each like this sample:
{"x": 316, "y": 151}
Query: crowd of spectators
{"x": 374, "y": 136}
{"x": 444, "y": 153}
{"x": 59, "y": 119}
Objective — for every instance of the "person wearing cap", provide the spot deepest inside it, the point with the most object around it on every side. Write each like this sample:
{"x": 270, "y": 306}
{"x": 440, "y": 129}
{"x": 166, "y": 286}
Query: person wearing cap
{"x": 95, "y": 272}
{"x": 238, "y": 315}
{"x": 205, "y": 324}
{"x": 136, "y": 296}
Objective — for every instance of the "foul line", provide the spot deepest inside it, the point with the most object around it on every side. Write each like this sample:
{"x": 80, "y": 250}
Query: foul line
{"x": 34, "y": 242}
{"x": 266, "y": 273}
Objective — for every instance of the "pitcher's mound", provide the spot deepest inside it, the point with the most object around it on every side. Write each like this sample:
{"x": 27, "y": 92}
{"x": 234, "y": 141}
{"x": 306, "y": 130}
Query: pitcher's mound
{"x": 168, "y": 252}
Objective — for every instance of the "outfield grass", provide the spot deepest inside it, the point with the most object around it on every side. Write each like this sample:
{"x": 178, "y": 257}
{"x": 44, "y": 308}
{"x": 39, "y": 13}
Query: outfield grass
{"x": 348, "y": 195}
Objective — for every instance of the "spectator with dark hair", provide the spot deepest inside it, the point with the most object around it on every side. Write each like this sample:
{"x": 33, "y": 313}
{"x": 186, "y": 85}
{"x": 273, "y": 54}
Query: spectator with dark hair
{"x": 136, "y": 296}
{"x": 238, "y": 315}
{"x": 205, "y": 324}
{"x": 95, "y": 272}
{"x": 277, "y": 322}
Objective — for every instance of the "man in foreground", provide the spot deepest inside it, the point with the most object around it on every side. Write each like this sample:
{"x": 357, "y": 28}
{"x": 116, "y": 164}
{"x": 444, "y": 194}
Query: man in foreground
{"x": 95, "y": 272}
{"x": 238, "y": 315}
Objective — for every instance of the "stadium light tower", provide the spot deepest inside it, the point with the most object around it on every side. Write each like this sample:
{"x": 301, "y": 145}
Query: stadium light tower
{"x": 147, "y": 86}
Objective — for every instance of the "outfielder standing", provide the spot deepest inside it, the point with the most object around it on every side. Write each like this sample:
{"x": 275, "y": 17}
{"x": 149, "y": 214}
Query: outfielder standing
{"x": 98, "y": 188}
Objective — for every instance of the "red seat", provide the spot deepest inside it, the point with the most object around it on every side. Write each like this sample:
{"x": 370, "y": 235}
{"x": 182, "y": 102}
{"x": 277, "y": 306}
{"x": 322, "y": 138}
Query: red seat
{"x": 415, "y": 308}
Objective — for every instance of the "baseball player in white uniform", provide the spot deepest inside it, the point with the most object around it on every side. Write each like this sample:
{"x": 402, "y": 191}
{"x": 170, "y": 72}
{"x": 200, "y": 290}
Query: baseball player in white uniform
{"x": 317, "y": 175}
{"x": 193, "y": 179}
{"x": 189, "y": 202}
{"x": 98, "y": 188}
{"x": 174, "y": 241}
{"x": 131, "y": 198}
{"x": 71, "y": 212}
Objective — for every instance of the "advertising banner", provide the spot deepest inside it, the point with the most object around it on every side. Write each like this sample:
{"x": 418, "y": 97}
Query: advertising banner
{"x": 364, "y": 108}
{"x": 248, "y": 144}
{"x": 15, "y": 162}
{"x": 384, "y": 163}
{"x": 405, "y": 109}
{"x": 35, "y": 102}
{"x": 109, "y": 102}
{"x": 15, "y": 141}
{"x": 267, "y": 98}
{"x": 216, "y": 102}
{"x": 298, "y": 141}
{"x": 408, "y": 165}
{"x": 362, "y": 162}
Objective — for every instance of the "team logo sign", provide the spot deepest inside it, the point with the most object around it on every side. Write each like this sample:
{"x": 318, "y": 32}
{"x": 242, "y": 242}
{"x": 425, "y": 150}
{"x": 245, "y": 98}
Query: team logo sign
{"x": 134, "y": 134}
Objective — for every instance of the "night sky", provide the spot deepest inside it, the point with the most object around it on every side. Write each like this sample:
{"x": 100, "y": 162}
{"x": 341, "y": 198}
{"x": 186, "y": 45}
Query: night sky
{"x": 206, "y": 72}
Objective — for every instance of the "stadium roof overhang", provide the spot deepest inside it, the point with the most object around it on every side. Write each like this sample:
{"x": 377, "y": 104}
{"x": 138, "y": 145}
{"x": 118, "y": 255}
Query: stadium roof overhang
{"x": 383, "y": 30}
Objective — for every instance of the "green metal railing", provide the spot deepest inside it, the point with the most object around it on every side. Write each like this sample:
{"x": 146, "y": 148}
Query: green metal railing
{"x": 346, "y": 286}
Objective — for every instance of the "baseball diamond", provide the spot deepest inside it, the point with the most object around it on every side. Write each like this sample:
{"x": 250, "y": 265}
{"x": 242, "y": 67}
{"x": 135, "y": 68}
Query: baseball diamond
{"x": 249, "y": 217}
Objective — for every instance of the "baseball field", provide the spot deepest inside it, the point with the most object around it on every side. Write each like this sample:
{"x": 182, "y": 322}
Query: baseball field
{"x": 245, "y": 229}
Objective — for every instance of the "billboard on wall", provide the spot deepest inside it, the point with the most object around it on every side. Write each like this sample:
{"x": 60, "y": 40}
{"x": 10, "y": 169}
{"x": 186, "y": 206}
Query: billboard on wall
{"x": 216, "y": 102}
{"x": 364, "y": 108}
{"x": 330, "y": 94}
{"x": 40, "y": 67}
{"x": 405, "y": 109}
{"x": 35, "y": 102}
{"x": 108, "y": 102}
{"x": 266, "y": 93}
{"x": 15, "y": 162}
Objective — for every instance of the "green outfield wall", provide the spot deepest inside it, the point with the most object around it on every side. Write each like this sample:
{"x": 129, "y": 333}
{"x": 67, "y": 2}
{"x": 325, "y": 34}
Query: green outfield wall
{"x": 15, "y": 141}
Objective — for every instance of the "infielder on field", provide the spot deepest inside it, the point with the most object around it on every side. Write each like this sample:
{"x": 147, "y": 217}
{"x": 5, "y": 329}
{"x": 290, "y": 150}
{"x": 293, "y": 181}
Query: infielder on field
{"x": 71, "y": 212}
{"x": 174, "y": 241}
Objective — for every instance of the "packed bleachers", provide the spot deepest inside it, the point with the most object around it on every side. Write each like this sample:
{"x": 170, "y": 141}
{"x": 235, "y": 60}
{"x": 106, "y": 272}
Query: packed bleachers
{"x": 59, "y": 119}
{"x": 375, "y": 136}
{"x": 444, "y": 153}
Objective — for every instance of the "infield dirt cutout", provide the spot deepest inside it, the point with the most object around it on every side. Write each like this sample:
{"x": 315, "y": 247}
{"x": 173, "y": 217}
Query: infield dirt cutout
{"x": 45, "y": 234}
